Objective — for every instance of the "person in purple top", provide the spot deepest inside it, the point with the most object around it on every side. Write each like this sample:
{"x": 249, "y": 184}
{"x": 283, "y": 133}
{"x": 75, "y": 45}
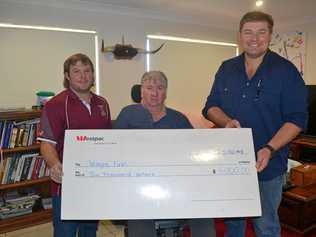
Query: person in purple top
{"x": 74, "y": 108}
{"x": 151, "y": 113}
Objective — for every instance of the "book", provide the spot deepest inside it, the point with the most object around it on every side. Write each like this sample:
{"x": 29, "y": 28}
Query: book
{"x": 13, "y": 137}
{"x": 42, "y": 169}
{"x": 47, "y": 203}
{"x": 6, "y": 170}
{"x": 14, "y": 169}
{"x": 26, "y": 134}
{"x": 19, "y": 138}
{"x": 19, "y": 169}
{"x": 7, "y": 135}
{"x": 35, "y": 169}
{"x": 29, "y": 175}
{"x": 2, "y": 168}
{"x": 30, "y": 121}
{"x": 27, "y": 165}
{"x": 31, "y": 135}
{"x": 2, "y": 135}
{"x": 1, "y": 129}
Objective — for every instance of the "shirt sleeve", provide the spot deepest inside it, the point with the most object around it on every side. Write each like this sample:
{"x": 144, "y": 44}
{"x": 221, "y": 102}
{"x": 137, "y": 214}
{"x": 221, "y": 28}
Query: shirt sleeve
{"x": 52, "y": 124}
{"x": 183, "y": 122}
{"x": 214, "y": 97}
{"x": 121, "y": 121}
{"x": 46, "y": 133}
{"x": 294, "y": 99}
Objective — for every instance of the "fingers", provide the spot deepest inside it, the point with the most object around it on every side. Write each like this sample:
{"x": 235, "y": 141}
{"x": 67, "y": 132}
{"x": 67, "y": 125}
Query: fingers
{"x": 263, "y": 158}
{"x": 56, "y": 173}
{"x": 233, "y": 124}
{"x": 260, "y": 165}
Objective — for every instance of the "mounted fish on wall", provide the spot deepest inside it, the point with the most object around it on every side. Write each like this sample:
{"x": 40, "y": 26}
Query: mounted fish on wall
{"x": 126, "y": 51}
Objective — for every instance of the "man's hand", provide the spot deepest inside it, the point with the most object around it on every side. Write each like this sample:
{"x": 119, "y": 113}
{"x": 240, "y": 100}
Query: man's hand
{"x": 263, "y": 158}
{"x": 56, "y": 173}
{"x": 233, "y": 124}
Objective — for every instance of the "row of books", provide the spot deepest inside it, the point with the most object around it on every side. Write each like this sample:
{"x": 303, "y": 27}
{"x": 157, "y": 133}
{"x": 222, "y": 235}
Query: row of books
{"x": 17, "y": 205}
{"x": 18, "y": 133}
{"x": 21, "y": 167}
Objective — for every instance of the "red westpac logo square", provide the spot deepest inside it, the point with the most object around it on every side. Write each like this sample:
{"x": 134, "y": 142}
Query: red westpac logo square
{"x": 86, "y": 138}
{"x": 81, "y": 138}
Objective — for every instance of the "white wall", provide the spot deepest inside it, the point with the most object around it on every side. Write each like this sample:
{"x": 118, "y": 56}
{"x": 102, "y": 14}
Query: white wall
{"x": 30, "y": 62}
{"x": 310, "y": 30}
{"x": 117, "y": 77}
{"x": 310, "y": 53}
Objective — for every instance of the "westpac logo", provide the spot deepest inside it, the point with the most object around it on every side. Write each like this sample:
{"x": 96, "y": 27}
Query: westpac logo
{"x": 87, "y": 139}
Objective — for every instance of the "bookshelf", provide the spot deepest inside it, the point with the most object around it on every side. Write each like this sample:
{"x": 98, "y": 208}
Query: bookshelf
{"x": 22, "y": 171}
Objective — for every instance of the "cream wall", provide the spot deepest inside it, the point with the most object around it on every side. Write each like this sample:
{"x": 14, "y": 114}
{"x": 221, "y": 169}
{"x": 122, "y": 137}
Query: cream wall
{"x": 117, "y": 77}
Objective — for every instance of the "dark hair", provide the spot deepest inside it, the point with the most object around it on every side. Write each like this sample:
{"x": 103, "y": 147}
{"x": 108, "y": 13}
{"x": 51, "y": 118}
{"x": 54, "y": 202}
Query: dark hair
{"x": 257, "y": 16}
{"x": 72, "y": 60}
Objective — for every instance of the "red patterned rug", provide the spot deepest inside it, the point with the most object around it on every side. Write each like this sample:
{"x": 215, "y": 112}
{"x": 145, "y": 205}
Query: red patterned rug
{"x": 220, "y": 230}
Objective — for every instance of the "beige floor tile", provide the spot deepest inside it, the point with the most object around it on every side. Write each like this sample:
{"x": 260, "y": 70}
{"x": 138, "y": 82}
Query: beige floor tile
{"x": 106, "y": 229}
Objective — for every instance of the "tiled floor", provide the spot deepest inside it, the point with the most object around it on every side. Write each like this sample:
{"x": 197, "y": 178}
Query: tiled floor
{"x": 106, "y": 228}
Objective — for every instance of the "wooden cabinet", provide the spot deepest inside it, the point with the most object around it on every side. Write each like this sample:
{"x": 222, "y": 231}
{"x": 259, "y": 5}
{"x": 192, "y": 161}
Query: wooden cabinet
{"x": 303, "y": 149}
{"x": 298, "y": 209}
{"x": 22, "y": 170}
{"x": 298, "y": 206}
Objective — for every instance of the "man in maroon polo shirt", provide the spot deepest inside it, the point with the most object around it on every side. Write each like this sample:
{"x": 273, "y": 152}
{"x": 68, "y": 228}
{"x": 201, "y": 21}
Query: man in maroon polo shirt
{"x": 74, "y": 108}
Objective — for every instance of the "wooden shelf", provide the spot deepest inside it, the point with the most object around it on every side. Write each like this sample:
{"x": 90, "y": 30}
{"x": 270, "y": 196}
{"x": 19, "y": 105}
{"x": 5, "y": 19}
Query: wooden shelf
{"x": 24, "y": 183}
{"x": 41, "y": 185}
{"x": 20, "y": 222}
{"x": 309, "y": 142}
{"x": 298, "y": 144}
{"x": 21, "y": 149}
{"x": 20, "y": 115}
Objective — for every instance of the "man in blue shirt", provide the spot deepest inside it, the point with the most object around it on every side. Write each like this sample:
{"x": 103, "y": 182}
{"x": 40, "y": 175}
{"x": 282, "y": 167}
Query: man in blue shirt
{"x": 260, "y": 90}
{"x": 152, "y": 113}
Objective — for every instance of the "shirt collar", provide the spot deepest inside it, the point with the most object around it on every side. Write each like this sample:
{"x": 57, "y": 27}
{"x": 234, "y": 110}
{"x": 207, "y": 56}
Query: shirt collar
{"x": 74, "y": 96}
{"x": 241, "y": 61}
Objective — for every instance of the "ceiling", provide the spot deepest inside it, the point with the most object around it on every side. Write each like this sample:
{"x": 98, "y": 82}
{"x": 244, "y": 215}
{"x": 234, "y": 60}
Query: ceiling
{"x": 220, "y": 13}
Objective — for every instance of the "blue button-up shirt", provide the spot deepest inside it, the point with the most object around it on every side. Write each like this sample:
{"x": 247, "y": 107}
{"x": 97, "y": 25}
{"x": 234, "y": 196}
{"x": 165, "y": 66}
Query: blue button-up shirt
{"x": 276, "y": 94}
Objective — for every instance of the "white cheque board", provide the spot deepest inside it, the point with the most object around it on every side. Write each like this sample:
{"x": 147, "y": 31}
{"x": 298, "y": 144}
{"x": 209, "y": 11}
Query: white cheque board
{"x": 154, "y": 174}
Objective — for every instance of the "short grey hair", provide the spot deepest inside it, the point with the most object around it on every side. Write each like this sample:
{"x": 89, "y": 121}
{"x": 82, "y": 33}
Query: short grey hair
{"x": 153, "y": 75}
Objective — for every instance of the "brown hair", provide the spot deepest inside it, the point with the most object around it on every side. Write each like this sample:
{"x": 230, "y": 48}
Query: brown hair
{"x": 256, "y": 16}
{"x": 72, "y": 60}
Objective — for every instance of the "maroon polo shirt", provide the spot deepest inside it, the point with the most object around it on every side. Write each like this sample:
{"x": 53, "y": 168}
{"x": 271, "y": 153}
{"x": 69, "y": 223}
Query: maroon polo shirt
{"x": 67, "y": 111}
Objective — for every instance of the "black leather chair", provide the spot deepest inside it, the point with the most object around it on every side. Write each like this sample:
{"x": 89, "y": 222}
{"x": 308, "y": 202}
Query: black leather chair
{"x": 135, "y": 93}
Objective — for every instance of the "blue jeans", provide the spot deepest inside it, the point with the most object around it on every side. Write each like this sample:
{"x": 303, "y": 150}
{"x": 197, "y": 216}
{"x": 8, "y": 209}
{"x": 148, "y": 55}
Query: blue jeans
{"x": 268, "y": 224}
{"x": 69, "y": 228}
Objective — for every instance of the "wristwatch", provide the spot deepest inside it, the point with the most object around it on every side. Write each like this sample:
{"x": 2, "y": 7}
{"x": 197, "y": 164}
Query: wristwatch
{"x": 270, "y": 148}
